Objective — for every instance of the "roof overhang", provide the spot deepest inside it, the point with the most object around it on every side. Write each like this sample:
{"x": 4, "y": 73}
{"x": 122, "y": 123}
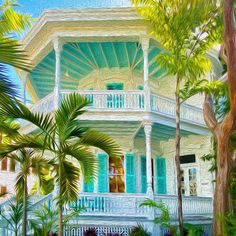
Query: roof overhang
{"x": 82, "y": 25}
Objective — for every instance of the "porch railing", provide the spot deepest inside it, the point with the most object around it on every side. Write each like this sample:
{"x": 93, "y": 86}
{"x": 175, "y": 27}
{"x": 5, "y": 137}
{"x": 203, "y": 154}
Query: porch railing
{"x": 126, "y": 101}
{"x": 129, "y": 205}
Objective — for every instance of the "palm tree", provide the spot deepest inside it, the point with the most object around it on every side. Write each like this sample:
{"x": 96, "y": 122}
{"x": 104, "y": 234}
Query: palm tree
{"x": 29, "y": 162}
{"x": 186, "y": 30}
{"x": 11, "y": 53}
{"x": 13, "y": 217}
{"x": 61, "y": 134}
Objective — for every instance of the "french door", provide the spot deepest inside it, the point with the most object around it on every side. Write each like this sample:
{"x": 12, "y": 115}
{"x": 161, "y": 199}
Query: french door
{"x": 189, "y": 183}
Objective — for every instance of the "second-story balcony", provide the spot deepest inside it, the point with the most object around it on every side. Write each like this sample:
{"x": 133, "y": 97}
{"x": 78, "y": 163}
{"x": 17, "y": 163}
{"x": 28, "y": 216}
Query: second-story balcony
{"x": 127, "y": 101}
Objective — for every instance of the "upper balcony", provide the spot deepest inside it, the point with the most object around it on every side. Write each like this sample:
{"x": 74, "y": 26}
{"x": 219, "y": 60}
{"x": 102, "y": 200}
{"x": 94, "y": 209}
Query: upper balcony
{"x": 123, "y": 104}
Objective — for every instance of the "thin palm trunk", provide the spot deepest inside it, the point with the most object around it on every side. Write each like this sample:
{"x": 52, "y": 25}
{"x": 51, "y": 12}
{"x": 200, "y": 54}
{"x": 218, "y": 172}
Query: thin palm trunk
{"x": 24, "y": 215}
{"x": 177, "y": 156}
{"x": 60, "y": 216}
{"x": 60, "y": 220}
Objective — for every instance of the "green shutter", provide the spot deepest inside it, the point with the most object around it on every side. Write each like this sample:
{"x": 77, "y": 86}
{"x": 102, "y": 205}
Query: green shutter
{"x": 160, "y": 165}
{"x": 130, "y": 173}
{"x": 89, "y": 186}
{"x": 143, "y": 174}
{"x": 102, "y": 174}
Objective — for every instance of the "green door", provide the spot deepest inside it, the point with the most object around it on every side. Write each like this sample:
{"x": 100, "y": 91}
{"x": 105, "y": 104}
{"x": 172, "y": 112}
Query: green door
{"x": 115, "y": 100}
{"x": 102, "y": 173}
{"x": 130, "y": 173}
{"x": 143, "y": 175}
{"x": 160, "y": 165}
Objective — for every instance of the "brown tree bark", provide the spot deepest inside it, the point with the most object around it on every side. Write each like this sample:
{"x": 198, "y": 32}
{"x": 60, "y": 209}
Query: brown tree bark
{"x": 223, "y": 130}
{"x": 177, "y": 157}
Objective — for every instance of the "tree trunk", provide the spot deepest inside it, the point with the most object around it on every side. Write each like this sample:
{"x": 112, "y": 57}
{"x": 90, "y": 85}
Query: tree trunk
{"x": 177, "y": 157}
{"x": 24, "y": 214}
{"x": 221, "y": 195}
{"x": 60, "y": 201}
{"x": 60, "y": 220}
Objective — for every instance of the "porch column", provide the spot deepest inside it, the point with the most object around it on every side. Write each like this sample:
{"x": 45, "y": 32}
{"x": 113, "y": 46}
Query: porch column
{"x": 57, "y": 44}
{"x": 148, "y": 131}
{"x": 24, "y": 77}
{"x": 147, "y": 92}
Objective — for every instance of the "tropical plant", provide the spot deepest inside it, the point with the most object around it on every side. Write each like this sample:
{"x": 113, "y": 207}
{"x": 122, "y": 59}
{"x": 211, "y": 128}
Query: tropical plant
{"x": 139, "y": 230}
{"x": 186, "y": 30}
{"x": 29, "y": 163}
{"x": 12, "y": 218}
{"x": 164, "y": 219}
{"x": 62, "y": 135}
{"x": 45, "y": 220}
{"x": 11, "y": 52}
{"x": 193, "y": 230}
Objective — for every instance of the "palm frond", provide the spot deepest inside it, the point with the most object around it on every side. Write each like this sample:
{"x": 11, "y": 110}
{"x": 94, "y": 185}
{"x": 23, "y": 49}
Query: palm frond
{"x": 66, "y": 116}
{"x": 8, "y": 128}
{"x": 11, "y": 20}
{"x": 69, "y": 185}
{"x": 86, "y": 159}
{"x": 19, "y": 185}
{"x": 11, "y": 53}
{"x": 25, "y": 141}
{"x": 13, "y": 109}
{"x": 101, "y": 141}
{"x": 6, "y": 85}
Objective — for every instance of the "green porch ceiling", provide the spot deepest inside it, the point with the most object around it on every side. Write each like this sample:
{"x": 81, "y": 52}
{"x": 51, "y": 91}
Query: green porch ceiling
{"x": 163, "y": 132}
{"x": 78, "y": 60}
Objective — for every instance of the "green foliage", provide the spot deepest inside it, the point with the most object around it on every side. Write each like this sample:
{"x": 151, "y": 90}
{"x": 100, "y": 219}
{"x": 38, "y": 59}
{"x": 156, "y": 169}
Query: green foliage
{"x": 45, "y": 220}
{"x": 211, "y": 156}
{"x": 230, "y": 224}
{"x": 11, "y": 52}
{"x": 193, "y": 230}
{"x": 139, "y": 230}
{"x": 186, "y": 29}
{"x": 12, "y": 218}
{"x": 164, "y": 218}
{"x": 61, "y": 134}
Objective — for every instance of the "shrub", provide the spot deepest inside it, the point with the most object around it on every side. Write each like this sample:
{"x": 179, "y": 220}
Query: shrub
{"x": 193, "y": 230}
{"x": 90, "y": 232}
{"x": 139, "y": 231}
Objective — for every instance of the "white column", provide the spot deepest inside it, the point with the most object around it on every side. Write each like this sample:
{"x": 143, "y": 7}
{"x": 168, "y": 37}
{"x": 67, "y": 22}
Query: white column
{"x": 148, "y": 131}
{"x": 57, "y": 48}
{"x": 24, "y": 77}
{"x": 147, "y": 92}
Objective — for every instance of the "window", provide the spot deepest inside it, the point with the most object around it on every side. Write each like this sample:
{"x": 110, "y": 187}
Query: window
{"x": 116, "y": 176}
{"x": 3, "y": 189}
{"x": 12, "y": 165}
{"x": 115, "y": 86}
{"x": 187, "y": 159}
{"x": 115, "y": 100}
{"x": 4, "y": 163}
{"x": 192, "y": 172}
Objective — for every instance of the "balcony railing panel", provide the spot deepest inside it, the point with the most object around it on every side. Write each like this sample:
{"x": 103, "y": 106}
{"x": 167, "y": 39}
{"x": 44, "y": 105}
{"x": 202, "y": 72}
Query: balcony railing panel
{"x": 113, "y": 100}
{"x": 191, "y": 205}
{"x": 166, "y": 106}
{"x": 126, "y": 101}
{"x": 110, "y": 204}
